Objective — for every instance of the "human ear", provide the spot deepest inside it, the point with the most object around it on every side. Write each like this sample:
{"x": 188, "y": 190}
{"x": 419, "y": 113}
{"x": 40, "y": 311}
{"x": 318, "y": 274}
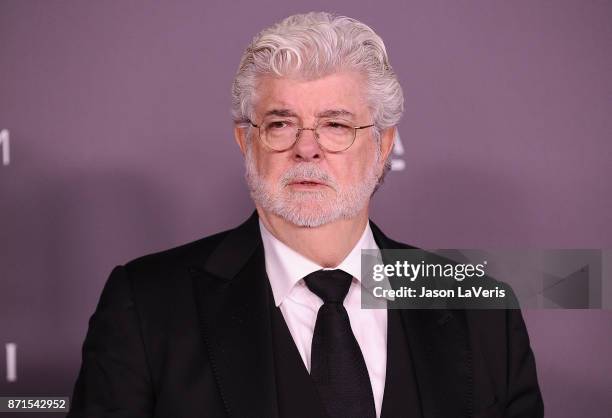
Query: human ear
{"x": 240, "y": 135}
{"x": 387, "y": 138}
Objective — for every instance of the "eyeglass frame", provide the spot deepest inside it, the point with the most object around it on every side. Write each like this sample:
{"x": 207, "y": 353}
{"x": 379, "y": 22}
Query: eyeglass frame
{"x": 316, "y": 136}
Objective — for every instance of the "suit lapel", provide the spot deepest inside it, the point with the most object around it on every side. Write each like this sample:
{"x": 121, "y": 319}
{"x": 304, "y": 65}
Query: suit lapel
{"x": 440, "y": 349}
{"x": 232, "y": 292}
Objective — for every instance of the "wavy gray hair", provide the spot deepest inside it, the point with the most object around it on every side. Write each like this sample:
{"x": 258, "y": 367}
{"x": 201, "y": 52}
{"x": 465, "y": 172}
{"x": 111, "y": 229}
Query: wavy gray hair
{"x": 313, "y": 45}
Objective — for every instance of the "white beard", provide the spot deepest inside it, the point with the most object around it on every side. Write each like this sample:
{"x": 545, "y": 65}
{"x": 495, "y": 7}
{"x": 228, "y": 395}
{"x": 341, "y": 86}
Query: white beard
{"x": 310, "y": 208}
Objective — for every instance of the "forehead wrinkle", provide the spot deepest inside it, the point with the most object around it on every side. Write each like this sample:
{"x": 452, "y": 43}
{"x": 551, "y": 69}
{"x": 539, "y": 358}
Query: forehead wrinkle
{"x": 276, "y": 94}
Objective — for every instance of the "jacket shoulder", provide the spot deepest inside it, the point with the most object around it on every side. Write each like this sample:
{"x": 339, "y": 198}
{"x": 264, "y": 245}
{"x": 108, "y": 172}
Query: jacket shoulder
{"x": 168, "y": 261}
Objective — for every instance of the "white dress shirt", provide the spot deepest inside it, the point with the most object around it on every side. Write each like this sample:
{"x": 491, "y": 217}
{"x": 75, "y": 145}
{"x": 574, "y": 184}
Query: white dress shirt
{"x": 299, "y": 306}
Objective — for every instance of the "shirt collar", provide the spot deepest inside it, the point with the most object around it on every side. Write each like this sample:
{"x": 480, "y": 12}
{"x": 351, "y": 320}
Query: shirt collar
{"x": 286, "y": 267}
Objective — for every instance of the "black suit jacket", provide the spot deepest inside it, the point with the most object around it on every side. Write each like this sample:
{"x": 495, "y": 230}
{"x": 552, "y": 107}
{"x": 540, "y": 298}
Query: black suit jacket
{"x": 186, "y": 333}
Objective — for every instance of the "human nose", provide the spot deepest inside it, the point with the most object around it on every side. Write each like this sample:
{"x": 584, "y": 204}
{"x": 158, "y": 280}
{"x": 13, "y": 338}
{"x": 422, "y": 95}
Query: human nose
{"x": 307, "y": 147}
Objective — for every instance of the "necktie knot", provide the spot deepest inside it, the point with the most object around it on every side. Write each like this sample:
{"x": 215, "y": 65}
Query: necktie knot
{"x": 330, "y": 285}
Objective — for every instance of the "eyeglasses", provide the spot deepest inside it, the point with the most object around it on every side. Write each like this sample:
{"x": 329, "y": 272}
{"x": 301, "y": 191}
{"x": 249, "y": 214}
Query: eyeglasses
{"x": 332, "y": 135}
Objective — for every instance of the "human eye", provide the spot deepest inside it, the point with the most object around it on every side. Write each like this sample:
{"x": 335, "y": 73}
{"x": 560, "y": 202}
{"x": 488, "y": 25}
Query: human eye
{"x": 337, "y": 125}
{"x": 280, "y": 124}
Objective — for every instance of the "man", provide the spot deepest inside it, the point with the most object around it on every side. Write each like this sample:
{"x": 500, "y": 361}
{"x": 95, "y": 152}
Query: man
{"x": 265, "y": 320}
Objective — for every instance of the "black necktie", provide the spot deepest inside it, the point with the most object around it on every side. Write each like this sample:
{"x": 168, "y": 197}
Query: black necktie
{"x": 337, "y": 365}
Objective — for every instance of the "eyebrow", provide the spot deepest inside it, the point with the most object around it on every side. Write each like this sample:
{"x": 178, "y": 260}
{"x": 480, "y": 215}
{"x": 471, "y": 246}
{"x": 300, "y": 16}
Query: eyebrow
{"x": 333, "y": 113}
{"x": 281, "y": 112}
{"x": 329, "y": 113}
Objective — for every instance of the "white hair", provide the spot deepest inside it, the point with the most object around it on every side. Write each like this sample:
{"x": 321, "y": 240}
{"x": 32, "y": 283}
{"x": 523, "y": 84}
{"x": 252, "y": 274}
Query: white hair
{"x": 311, "y": 46}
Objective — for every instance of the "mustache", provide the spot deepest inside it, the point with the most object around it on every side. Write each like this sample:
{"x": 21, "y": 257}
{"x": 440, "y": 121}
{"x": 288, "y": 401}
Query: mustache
{"x": 308, "y": 172}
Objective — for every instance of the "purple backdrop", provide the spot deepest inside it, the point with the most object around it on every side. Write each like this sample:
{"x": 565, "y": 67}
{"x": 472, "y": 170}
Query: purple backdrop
{"x": 117, "y": 116}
